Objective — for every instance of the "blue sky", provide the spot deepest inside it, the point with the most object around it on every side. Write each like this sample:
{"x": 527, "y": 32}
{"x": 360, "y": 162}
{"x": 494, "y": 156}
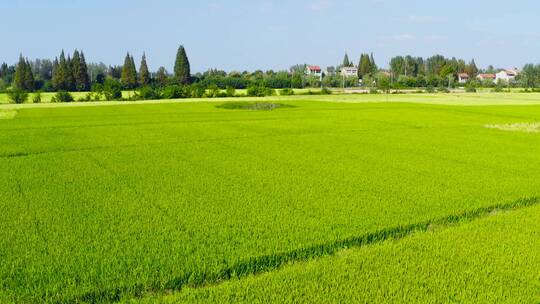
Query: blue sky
{"x": 271, "y": 34}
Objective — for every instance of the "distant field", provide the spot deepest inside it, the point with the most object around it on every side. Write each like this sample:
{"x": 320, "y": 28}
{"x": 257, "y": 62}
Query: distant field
{"x": 119, "y": 202}
{"x": 464, "y": 99}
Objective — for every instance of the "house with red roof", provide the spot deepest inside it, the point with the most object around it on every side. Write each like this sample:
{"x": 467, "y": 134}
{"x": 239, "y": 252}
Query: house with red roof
{"x": 314, "y": 70}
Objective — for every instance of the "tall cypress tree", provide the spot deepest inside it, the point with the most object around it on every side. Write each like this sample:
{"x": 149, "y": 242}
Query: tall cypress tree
{"x": 182, "y": 71}
{"x": 143, "y": 72}
{"x": 69, "y": 80}
{"x": 19, "y": 80}
{"x": 364, "y": 66}
{"x": 133, "y": 71}
{"x": 346, "y": 61}
{"x": 76, "y": 68}
{"x": 374, "y": 67}
{"x": 28, "y": 77}
{"x": 56, "y": 75}
{"x": 129, "y": 73}
{"x": 83, "y": 80}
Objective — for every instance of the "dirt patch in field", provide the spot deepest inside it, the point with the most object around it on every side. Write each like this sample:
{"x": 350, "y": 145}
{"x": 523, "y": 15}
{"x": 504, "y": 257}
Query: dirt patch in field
{"x": 527, "y": 127}
{"x": 7, "y": 114}
{"x": 256, "y": 106}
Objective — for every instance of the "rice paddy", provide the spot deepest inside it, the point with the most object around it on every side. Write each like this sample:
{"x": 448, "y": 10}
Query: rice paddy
{"x": 132, "y": 202}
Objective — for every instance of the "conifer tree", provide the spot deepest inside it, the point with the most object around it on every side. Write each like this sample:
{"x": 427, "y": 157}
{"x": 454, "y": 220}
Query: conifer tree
{"x": 374, "y": 67}
{"x": 83, "y": 80}
{"x": 56, "y": 75}
{"x": 28, "y": 77}
{"x": 75, "y": 64}
{"x": 346, "y": 62}
{"x": 18, "y": 80}
{"x": 69, "y": 81}
{"x": 182, "y": 71}
{"x": 24, "y": 77}
{"x": 364, "y": 66}
{"x": 143, "y": 72}
{"x": 161, "y": 76}
{"x": 129, "y": 73}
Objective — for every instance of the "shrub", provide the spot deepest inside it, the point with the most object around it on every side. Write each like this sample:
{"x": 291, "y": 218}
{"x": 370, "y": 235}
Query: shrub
{"x": 286, "y": 92}
{"x": 63, "y": 96}
{"x": 112, "y": 89}
{"x": 373, "y": 91}
{"x": 213, "y": 91}
{"x": 36, "y": 98}
{"x": 174, "y": 92}
{"x": 230, "y": 91}
{"x": 197, "y": 90}
{"x": 18, "y": 96}
{"x": 146, "y": 93}
{"x": 430, "y": 89}
{"x": 260, "y": 91}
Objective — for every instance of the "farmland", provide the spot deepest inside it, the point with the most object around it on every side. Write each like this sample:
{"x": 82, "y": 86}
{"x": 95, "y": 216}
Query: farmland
{"x": 119, "y": 202}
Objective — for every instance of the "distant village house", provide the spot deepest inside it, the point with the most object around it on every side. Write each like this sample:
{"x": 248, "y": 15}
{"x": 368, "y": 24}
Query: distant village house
{"x": 349, "y": 71}
{"x": 313, "y": 70}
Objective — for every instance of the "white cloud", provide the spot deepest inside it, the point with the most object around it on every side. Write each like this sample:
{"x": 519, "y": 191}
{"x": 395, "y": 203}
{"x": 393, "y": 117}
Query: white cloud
{"x": 320, "y": 5}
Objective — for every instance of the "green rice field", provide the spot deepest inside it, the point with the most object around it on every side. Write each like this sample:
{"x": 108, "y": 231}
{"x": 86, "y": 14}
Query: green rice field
{"x": 353, "y": 198}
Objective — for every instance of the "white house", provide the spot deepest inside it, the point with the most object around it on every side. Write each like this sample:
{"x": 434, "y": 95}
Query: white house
{"x": 313, "y": 70}
{"x": 349, "y": 71}
{"x": 463, "y": 77}
{"x": 506, "y": 75}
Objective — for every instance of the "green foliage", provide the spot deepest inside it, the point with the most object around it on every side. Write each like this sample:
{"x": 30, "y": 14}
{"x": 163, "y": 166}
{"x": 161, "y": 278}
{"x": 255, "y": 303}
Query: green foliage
{"x": 260, "y": 91}
{"x": 112, "y": 89}
{"x": 129, "y": 73}
{"x": 182, "y": 71}
{"x": 36, "y": 98}
{"x": 24, "y": 78}
{"x": 147, "y": 93}
{"x": 63, "y": 96}
{"x": 144, "y": 77}
{"x": 162, "y": 77}
{"x": 230, "y": 91}
{"x": 17, "y": 96}
{"x": 174, "y": 92}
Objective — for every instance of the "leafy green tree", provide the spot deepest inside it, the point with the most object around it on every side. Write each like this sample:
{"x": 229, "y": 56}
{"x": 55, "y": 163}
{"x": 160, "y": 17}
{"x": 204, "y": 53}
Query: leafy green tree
{"x": 144, "y": 74}
{"x": 182, "y": 71}
{"x": 162, "y": 77}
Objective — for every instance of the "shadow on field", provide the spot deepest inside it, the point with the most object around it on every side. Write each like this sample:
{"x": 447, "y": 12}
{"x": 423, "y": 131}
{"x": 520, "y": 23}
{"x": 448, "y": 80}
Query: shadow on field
{"x": 255, "y": 106}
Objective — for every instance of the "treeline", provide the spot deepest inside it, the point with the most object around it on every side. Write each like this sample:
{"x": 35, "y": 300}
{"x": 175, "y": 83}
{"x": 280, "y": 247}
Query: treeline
{"x": 72, "y": 73}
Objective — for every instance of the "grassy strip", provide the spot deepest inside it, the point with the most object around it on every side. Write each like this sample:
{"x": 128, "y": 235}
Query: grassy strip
{"x": 258, "y": 265}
